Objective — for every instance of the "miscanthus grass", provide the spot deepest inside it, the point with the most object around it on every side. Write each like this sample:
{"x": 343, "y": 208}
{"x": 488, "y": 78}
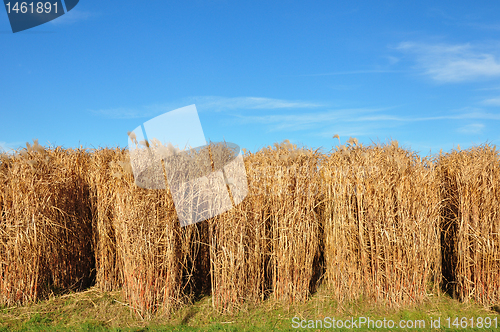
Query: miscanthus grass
{"x": 470, "y": 230}
{"x": 375, "y": 222}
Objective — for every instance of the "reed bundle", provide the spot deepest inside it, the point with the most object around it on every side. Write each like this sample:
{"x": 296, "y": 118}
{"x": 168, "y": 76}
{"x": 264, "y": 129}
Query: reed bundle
{"x": 103, "y": 179}
{"x": 381, "y": 224}
{"x": 239, "y": 249}
{"x": 470, "y": 187}
{"x": 45, "y": 225}
{"x": 269, "y": 243}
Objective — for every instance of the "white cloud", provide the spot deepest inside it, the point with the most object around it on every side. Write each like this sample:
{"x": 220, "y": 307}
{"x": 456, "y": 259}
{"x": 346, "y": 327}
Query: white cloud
{"x": 470, "y": 114}
{"x": 310, "y": 117}
{"x": 352, "y": 72}
{"x": 206, "y": 103}
{"x": 489, "y": 88}
{"x": 474, "y": 128}
{"x": 345, "y": 131}
{"x": 492, "y": 101}
{"x": 235, "y": 103}
{"x": 485, "y": 26}
{"x": 350, "y": 121}
{"x": 10, "y": 147}
{"x": 454, "y": 63}
{"x": 309, "y": 120}
{"x": 393, "y": 60}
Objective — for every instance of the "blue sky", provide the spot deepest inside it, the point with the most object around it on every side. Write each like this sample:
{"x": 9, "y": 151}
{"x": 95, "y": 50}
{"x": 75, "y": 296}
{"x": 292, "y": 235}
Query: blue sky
{"x": 425, "y": 73}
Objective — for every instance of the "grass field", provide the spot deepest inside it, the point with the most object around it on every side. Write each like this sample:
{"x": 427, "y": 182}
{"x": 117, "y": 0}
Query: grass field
{"x": 95, "y": 310}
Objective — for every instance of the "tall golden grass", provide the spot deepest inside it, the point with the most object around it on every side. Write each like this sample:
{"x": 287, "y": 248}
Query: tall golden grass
{"x": 470, "y": 187}
{"x": 137, "y": 245}
{"x": 237, "y": 248}
{"x": 101, "y": 178}
{"x": 381, "y": 224}
{"x": 46, "y": 224}
{"x": 267, "y": 245}
{"x": 292, "y": 181}
{"x": 377, "y": 222}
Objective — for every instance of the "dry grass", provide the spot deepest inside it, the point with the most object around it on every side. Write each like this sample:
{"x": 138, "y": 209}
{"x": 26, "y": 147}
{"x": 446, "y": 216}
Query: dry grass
{"x": 237, "y": 242}
{"x": 292, "y": 181}
{"x": 381, "y": 224}
{"x": 140, "y": 245}
{"x": 45, "y": 229}
{"x": 137, "y": 243}
{"x": 470, "y": 186}
{"x": 101, "y": 178}
{"x": 268, "y": 243}
{"x": 369, "y": 222}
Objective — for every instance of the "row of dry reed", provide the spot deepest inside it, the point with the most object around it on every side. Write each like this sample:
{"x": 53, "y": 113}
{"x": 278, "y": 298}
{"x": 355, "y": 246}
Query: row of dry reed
{"x": 381, "y": 223}
{"x": 470, "y": 187}
{"x": 46, "y": 224}
{"x": 377, "y": 222}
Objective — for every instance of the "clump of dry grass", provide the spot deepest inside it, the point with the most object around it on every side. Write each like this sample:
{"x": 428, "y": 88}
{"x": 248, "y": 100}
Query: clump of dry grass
{"x": 369, "y": 218}
{"x": 147, "y": 236}
{"x": 137, "y": 236}
{"x": 267, "y": 245}
{"x": 104, "y": 173}
{"x": 159, "y": 264}
{"x": 381, "y": 224}
{"x": 45, "y": 225}
{"x": 238, "y": 243}
{"x": 470, "y": 187}
{"x": 295, "y": 225}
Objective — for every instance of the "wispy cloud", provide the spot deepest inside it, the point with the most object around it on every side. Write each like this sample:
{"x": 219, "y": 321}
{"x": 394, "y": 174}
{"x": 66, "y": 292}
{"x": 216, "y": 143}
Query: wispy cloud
{"x": 73, "y": 16}
{"x": 473, "y": 128}
{"x": 206, "y": 103}
{"x": 454, "y": 63}
{"x": 442, "y": 14}
{"x": 343, "y": 87}
{"x": 492, "y": 88}
{"x": 346, "y": 131}
{"x": 362, "y": 120}
{"x": 351, "y": 122}
{"x": 10, "y": 147}
{"x": 485, "y": 26}
{"x": 492, "y": 101}
{"x": 357, "y": 115}
{"x": 470, "y": 114}
{"x": 304, "y": 121}
{"x": 235, "y": 103}
{"x": 393, "y": 60}
{"x": 352, "y": 72}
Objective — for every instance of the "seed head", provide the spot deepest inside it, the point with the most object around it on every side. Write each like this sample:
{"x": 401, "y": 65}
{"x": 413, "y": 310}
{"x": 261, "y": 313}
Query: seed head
{"x": 37, "y": 147}
{"x": 132, "y": 136}
{"x": 352, "y": 141}
{"x": 155, "y": 142}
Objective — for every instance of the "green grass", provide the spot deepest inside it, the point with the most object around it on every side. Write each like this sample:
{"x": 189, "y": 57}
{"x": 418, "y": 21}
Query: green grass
{"x": 94, "y": 310}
